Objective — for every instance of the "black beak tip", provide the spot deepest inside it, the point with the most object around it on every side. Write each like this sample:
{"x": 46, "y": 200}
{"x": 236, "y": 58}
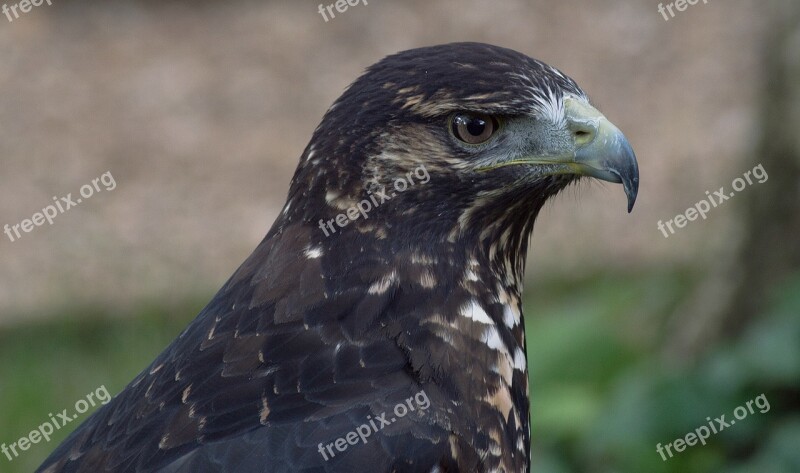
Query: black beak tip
{"x": 629, "y": 175}
{"x": 630, "y": 182}
{"x": 631, "y": 190}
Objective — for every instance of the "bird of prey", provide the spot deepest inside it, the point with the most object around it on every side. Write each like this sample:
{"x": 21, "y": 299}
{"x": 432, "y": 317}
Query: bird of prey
{"x": 378, "y": 325}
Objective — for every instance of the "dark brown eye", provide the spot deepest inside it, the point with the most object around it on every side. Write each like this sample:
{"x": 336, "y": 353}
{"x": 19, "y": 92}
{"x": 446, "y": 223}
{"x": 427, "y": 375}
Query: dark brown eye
{"x": 473, "y": 129}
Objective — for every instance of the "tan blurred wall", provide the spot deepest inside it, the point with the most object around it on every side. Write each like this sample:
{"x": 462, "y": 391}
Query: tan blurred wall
{"x": 201, "y": 110}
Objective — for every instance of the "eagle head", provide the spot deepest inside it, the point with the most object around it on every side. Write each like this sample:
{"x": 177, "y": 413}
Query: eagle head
{"x": 457, "y": 142}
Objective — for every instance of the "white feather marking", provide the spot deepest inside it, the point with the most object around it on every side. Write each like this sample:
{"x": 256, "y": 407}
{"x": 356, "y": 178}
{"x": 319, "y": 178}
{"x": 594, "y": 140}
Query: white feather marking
{"x": 330, "y": 196}
{"x": 510, "y": 316}
{"x": 474, "y": 311}
{"x": 382, "y": 285}
{"x": 310, "y": 154}
{"x": 551, "y": 107}
{"x": 492, "y": 339}
{"x": 313, "y": 253}
{"x": 520, "y": 363}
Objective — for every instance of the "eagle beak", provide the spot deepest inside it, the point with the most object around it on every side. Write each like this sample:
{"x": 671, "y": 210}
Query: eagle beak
{"x": 601, "y": 150}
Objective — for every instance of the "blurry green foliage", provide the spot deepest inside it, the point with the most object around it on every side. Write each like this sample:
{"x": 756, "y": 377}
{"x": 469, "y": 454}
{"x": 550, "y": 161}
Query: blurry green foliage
{"x": 603, "y": 397}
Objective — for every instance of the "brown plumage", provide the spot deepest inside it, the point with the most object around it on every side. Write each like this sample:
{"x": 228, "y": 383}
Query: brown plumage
{"x": 413, "y": 297}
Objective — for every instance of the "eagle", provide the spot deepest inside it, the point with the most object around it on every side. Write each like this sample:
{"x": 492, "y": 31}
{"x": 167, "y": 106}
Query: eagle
{"x": 378, "y": 325}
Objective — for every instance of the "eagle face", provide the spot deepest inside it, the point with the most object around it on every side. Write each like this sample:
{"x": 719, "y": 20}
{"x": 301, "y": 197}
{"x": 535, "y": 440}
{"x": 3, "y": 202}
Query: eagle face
{"x": 497, "y": 131}
{"x": 392, "y": 275}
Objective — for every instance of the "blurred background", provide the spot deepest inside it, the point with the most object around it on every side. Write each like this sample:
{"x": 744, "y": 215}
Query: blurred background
{"x": 200, "y": 111}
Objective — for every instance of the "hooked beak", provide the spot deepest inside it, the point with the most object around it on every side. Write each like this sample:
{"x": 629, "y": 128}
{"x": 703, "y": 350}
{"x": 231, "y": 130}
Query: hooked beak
{"x": 601, "y": 150}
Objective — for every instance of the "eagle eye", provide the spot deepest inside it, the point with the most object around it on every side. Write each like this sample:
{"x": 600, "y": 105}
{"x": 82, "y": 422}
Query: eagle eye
{"x": 473, "y": 128}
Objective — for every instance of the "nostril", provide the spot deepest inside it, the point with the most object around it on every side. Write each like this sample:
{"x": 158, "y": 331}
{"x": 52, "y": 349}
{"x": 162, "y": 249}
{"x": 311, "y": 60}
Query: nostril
{"x": 582, "y": 134}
